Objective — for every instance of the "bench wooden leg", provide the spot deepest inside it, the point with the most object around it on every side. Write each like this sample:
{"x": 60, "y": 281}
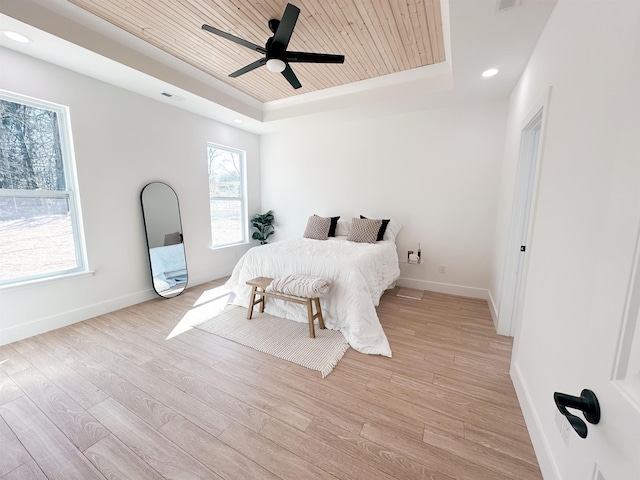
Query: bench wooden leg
{"x": 312, "y": 333}
{"x": 262, "y": 300}
{"x": 252, "y": 302}
{"x": 255, "y": 292}
{"x": 319, "y": 313}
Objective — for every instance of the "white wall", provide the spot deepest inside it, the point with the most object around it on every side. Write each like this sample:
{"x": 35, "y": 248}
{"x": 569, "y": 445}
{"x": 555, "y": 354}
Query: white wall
{"x": 436, "y": 172}
{"x": 585, "y": 226}
{"x": 122, "y": 142}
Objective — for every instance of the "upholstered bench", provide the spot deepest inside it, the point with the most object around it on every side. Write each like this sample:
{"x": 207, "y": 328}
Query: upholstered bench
{"x": 259, "y": 289}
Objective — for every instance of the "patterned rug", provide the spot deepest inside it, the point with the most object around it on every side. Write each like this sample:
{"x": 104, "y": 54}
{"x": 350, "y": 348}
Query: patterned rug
{"x": 282, "y": 338}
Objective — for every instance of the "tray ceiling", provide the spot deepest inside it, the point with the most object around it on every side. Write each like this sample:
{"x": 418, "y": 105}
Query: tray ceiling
{"x": 377, "y": 37}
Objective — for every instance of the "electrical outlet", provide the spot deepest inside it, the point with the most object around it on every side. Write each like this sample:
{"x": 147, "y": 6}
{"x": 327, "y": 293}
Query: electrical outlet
{"x": 441, "y": 269}
{"x": 565, "y": 431}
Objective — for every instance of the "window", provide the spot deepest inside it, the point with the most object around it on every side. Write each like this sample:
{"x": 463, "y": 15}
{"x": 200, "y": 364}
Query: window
{"x": 40, "y": 235}
{"x": 227, "y": 198}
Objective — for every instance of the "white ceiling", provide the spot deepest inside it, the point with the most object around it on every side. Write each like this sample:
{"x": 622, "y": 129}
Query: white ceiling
{"x": 476, "y": 37}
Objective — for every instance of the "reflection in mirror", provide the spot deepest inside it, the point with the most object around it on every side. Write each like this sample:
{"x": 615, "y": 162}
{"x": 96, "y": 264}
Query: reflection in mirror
{"x": 162, "y": 224}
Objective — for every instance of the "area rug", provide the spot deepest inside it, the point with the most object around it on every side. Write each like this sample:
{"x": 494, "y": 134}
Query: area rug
{"x": 282, "y": 338}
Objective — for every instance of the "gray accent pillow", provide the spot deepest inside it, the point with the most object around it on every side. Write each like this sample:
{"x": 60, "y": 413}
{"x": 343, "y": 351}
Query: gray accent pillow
{"x": 364, "y": 230}
{"x": 317, "y": 227}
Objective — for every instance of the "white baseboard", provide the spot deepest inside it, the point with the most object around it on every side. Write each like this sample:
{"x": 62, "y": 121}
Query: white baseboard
{"x": 460, "y": 290}
{"x": 492, "y": 309}
{"x": 541, "y": 446}
{"x": 36, "y": 327}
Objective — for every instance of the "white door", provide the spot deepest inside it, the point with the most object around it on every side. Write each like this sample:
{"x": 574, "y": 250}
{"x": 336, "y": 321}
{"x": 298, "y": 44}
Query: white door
{"x": 579, "y": 328}
{"x": 607, "y": 338}
{"x": 524, "y": 192}
{"x": 592, "y": 343}
{"x": 611, "y": 450}
{"x": 617, "y": 440}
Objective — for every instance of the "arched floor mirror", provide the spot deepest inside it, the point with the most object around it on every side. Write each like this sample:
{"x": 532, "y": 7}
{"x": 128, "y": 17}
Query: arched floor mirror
{"x": 165, "y": 242}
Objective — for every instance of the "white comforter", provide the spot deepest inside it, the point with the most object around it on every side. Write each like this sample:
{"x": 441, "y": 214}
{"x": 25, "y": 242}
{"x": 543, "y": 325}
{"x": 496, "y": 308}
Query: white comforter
{"x": 360, "y": 273}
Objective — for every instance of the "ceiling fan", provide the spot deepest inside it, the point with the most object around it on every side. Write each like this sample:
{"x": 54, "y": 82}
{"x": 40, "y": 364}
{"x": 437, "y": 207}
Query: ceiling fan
{"x": 277, "y": 58}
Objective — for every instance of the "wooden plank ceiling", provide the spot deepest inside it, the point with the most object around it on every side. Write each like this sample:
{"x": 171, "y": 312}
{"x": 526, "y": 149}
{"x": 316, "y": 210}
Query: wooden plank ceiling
{"x": 377, "y": 37}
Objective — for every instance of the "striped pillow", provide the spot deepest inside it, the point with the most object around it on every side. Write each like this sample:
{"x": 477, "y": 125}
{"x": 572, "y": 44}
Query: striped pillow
{"x": 317, "y": 228}
{"x": 364, "y": 230}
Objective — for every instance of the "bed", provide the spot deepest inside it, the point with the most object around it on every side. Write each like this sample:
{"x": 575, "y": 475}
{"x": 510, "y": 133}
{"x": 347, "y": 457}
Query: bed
{"x": 360, "y": 273}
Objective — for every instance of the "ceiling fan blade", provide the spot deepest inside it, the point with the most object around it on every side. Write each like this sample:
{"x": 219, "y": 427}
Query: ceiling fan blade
{"x": 291, "y": 77}
{"x": 248, "y": 68}
{"x": 235, "y": 39}
{"x": 304, "y": 57}
{"x": 285, "y": 29}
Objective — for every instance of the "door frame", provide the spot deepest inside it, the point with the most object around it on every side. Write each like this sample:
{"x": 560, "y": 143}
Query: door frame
{"x": 513, "y": 285}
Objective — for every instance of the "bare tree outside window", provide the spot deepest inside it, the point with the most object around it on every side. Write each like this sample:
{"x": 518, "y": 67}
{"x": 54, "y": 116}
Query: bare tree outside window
{"x": 227, "y": 199}
{"x": 38, "y": 230}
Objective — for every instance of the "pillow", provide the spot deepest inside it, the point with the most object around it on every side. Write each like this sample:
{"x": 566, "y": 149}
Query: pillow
{"x": 172, "y": 238}
{"x": 334, "y": 224}
{"x": 383, "y": 228}
{"x": 392, "y": 231}
{"x": 364, "y": 230}
{"x": 317, "y": 227}
{"x": 343, "y": 228}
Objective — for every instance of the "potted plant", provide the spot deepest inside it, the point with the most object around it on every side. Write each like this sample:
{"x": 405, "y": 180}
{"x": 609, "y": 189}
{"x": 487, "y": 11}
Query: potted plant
{"x": 263, "y": 225}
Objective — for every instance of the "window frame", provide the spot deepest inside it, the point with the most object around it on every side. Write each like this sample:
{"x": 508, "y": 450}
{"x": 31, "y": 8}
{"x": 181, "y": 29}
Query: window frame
{"x": 243, "y": 195}
{"x": 71, "y": 192}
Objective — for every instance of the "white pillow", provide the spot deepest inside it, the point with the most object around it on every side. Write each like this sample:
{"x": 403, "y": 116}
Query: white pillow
{"x": 392, "y": 231}
{"x": 343, "y": 228}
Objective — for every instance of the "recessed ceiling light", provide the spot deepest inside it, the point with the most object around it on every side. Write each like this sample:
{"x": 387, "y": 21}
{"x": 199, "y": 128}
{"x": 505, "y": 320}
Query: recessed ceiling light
{"x": 237, "y": 120}
{"x": 15, "y": 36}
{"x": 490, "y": 72}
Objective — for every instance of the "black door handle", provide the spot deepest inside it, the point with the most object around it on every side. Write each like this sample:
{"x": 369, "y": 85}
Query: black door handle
{"x": 587, "y": 402}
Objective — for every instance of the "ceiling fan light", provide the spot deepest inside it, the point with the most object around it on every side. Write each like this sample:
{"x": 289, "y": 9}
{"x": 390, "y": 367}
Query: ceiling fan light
{"x": 276, "y": 65}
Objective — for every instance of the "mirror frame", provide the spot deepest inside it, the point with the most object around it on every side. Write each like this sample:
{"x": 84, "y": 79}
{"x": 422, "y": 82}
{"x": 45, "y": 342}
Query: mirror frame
{"x": 174, "y": 291}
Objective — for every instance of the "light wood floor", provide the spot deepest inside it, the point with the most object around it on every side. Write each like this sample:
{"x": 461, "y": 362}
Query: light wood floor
{"x": 110, "y": 397}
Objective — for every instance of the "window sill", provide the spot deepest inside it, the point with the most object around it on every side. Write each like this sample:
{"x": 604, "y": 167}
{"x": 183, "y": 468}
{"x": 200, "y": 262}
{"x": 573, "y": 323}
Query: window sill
{"x": 222, "y": 247}
{"x": 39, "y": 281}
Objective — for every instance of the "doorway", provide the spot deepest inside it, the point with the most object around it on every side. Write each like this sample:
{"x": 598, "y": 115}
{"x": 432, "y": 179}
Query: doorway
{"x": 513, "y": 273}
